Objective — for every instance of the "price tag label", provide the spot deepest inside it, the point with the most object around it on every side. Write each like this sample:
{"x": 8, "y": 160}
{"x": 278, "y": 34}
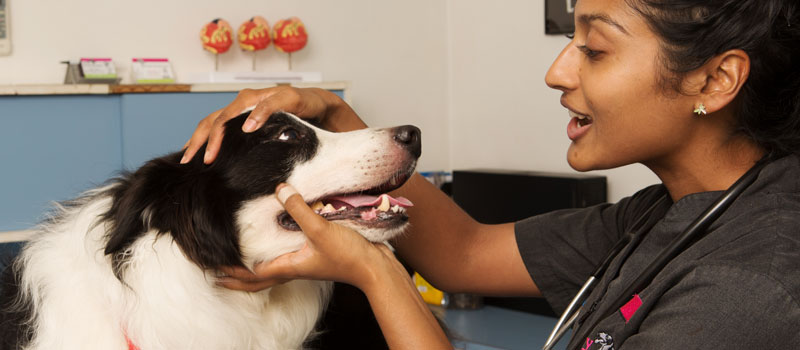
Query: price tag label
{"x": 98, "y": 68}
{"x": 152, "y": 71}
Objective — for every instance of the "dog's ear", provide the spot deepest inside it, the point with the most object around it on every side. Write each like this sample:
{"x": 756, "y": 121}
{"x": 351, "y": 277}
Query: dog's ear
{"x": 193, "y": 207}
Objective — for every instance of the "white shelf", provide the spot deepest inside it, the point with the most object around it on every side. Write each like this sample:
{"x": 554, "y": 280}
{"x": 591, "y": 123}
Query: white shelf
{"x": 15, "y": 236}
{"x": 106, "y": 89}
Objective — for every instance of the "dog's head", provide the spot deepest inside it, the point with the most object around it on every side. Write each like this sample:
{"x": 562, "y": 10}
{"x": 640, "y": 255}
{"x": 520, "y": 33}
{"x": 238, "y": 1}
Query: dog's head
{"x": 226, "y": 214}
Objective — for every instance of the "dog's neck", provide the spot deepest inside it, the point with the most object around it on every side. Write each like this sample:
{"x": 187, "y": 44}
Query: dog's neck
{"x": 166, "y": 284}
{"x": 161, "y": 292}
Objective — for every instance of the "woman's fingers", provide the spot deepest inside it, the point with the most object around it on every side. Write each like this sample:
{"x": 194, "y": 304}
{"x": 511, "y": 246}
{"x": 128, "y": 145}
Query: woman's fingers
{"x": 309, "y": 221}
{"x": 331, "y": 252}
{"x": 280, "y": 99}
{"x": 264, "y": 275}
{"x": 237, "y": 272}
{"x": 249, "y": 286}
{"x": 263, "y": 104}
{"x": 246, "y": 99}
{"x": 305, "y": 103}
{"x": 214, "y": 137}
{"x": 199, "y": 137}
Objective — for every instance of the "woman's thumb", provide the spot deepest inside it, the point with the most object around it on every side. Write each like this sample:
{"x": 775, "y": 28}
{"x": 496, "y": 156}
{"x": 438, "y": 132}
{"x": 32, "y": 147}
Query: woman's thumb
{"x": 309, "y": 221}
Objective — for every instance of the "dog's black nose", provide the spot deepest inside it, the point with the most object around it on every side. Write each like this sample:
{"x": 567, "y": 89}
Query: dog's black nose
{"x": 409, "y": 137}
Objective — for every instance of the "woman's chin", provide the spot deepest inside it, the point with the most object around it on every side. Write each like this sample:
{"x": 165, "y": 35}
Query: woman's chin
{"x": 588, "y": 161}
{"x": 579, "y": 161}
{"x": 578, "y": 166}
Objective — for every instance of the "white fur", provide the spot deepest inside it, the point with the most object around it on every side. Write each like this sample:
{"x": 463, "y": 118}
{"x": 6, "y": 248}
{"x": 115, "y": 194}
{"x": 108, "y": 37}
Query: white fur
{"x": 348, "y": 162}
{"x": 168, "y": 302}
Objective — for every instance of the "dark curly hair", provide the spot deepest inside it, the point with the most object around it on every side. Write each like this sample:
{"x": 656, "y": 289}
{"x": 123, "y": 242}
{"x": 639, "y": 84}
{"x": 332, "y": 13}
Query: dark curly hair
{"x": 694, "y": 31}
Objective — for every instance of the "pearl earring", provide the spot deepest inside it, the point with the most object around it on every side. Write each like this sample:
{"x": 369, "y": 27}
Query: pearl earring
{"x": 700, "y": 110}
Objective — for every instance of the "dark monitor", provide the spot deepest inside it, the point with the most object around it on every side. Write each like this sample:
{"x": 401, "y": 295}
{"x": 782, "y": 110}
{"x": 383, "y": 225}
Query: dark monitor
{"x": 500, "y": 196}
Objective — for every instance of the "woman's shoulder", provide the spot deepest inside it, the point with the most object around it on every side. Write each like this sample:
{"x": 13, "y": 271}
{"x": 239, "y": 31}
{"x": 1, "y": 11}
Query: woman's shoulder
{"x": 765, "y": 242}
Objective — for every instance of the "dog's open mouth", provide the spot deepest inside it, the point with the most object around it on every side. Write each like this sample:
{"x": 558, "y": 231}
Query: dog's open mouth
{"x": 363, "y": 208}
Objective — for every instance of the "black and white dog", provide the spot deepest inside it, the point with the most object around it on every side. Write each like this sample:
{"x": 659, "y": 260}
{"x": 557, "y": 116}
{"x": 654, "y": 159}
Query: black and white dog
{"x": 133, "y": 264}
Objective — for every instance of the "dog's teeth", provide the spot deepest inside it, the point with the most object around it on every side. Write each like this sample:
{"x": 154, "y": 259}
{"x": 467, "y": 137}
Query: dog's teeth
{"x": 397, "y": 209}
{"x": 318, "y": 205}
{"x": 328, "y": 209}
{"x": 342, "y": 208}
{"x": 384, "y": 204}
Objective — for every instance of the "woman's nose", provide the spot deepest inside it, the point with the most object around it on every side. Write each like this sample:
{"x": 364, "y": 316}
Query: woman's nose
{"x": 563, "y": 73}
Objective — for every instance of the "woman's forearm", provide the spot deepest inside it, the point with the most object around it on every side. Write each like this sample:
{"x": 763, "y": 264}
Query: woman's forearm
{"x": 438, "y": 236}
{"x": 404, "y": 318}
{"x": 456, "y": 253}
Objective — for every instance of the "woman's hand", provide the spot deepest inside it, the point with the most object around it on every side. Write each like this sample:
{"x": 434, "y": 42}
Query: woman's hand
{"x": 332, "y": 252}
{"x": 333, "y": 113}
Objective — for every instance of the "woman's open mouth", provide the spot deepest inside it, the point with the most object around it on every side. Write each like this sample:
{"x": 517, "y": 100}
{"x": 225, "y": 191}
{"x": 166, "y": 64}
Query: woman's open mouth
{"x": 578, "y": 125}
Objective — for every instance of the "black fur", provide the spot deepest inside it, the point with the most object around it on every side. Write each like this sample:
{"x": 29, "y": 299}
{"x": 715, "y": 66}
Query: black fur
{"x": 196, "y": 202}
{"x": 14, "y": 328}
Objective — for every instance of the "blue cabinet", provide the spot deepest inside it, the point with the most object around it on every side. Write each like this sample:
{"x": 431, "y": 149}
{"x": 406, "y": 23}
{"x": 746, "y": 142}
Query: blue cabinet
{"x": 51, "y": 149}
{"x": 156, "y": 124}
{"x": 54, "y": 147}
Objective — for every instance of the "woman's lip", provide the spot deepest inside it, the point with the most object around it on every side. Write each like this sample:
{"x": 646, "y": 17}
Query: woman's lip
{"x": 575, "y": 130}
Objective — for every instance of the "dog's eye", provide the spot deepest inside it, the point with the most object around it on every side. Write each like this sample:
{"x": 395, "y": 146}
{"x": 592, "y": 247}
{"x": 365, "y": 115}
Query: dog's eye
{"x": 288, "y": 134}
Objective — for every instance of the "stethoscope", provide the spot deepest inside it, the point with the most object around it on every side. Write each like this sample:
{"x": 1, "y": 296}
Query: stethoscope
{"x": 691, "y": 234}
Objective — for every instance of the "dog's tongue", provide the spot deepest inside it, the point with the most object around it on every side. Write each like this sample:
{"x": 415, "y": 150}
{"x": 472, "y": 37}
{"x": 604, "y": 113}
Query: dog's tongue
{"x": 361, "y": 200}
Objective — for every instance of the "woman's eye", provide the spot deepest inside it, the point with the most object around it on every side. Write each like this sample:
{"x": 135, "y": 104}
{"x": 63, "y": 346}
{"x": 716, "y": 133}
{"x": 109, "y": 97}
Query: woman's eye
{"x": 288, "y": 134}
{"x": 589, "y": 52}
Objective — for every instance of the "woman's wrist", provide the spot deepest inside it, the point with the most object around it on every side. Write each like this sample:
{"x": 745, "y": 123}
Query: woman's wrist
{"x": 375, "y": 269}
{"x": 404, "y": 318}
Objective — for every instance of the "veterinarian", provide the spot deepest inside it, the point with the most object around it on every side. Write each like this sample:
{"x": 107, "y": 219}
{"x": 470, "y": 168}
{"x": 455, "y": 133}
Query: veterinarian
{"x": 700, "y": 92}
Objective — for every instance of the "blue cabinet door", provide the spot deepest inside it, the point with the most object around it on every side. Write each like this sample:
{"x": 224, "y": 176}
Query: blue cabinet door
{"x": 51, "y": 149}
{"x": 160, "y": 123}
{"x": 156, "y": 124}
{"x": 54, "y": 147}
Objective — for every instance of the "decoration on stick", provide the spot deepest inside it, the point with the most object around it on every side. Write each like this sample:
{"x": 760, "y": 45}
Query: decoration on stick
{"x": 289, "y": 35}
{"x": 254, "y": 36}
{"x": 217, "y": 38}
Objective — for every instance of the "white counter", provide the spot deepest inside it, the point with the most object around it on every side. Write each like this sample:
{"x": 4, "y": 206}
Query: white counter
{"x": 107, "y": 89}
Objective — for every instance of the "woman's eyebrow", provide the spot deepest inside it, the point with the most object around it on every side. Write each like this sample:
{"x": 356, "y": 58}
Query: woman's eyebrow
{"x": 589, "y": 17}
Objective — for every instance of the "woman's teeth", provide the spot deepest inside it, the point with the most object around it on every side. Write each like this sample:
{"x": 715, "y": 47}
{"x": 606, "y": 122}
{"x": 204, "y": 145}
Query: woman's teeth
{"x": 583, "y": 120}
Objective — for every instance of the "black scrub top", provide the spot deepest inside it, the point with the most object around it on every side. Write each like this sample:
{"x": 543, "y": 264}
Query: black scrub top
{"x": 736, "y": 288}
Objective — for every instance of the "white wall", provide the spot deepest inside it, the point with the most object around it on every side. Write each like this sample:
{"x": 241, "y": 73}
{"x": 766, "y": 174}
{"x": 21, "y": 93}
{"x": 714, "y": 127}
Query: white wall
{"x": 502, "y": 113}
{"x": 392, "y": 53}
{"x": 470, "y": 73}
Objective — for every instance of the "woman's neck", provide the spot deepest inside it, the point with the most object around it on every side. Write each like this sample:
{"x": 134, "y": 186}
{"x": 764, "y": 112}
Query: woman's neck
{"x": 714, "y": 166}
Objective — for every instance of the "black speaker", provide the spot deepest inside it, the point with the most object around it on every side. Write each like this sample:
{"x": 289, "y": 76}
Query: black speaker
{"x": 500, "y": 196}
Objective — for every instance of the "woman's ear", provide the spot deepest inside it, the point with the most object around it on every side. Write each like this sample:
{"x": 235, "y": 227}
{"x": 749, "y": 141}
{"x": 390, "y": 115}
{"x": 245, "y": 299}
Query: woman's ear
{"x": 717, "y": 83}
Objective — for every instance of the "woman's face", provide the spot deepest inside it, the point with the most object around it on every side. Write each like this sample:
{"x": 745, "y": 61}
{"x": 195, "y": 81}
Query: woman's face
{"x": 609, "y": 77}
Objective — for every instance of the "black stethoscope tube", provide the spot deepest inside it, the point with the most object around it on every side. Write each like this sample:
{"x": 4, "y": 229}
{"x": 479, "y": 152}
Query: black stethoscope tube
{"x": 570, "y": 314}
{"x": 695, "y": 231}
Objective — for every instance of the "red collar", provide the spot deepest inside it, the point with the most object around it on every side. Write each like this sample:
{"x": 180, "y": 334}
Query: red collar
{"x": 131, "y": 346}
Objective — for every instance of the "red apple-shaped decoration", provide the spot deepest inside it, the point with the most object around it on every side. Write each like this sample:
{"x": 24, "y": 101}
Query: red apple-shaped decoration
{"x": 289, "y": 35}
{"x": 216, "y": 36}
{"x": 253, "y": 35}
